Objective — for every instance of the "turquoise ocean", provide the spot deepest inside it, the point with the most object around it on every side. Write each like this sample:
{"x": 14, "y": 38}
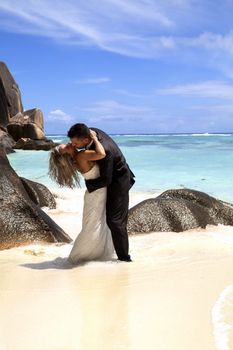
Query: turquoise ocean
{"x": 160, "y": 162}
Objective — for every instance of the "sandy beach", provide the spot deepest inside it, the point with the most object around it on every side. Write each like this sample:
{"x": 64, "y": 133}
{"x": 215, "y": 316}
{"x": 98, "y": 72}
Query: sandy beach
{"x": 171, "y": 297}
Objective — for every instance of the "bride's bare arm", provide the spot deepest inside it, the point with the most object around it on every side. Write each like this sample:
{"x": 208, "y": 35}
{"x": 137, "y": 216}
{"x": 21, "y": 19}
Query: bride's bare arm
{"x": 92, "y": 155}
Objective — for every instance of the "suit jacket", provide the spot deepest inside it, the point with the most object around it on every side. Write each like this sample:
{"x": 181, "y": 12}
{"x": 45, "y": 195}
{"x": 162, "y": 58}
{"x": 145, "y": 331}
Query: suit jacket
{"x": 113, "y": 168}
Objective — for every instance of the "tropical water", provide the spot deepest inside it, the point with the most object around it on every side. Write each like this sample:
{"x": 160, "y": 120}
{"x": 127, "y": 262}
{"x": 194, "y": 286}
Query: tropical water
{"x": 199, "y": 161}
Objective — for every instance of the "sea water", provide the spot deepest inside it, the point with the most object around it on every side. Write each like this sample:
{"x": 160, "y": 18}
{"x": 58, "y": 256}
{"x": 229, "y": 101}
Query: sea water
{"x": 201, "y": 162}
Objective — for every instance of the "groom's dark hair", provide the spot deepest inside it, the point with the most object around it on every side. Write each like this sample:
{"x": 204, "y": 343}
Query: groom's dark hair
{"x": 79, "y": 130}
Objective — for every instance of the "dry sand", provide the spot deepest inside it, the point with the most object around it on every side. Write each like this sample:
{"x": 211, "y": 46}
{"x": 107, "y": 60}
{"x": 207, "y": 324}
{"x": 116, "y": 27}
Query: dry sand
{"x": 163, "y": 300}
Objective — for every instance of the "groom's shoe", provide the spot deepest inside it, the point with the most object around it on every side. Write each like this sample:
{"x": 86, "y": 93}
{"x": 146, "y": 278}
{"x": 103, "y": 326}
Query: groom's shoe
{"x": 127, "y": 259}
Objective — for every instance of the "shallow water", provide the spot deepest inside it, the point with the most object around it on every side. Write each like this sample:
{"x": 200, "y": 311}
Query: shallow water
{"x": 160, "y": 162}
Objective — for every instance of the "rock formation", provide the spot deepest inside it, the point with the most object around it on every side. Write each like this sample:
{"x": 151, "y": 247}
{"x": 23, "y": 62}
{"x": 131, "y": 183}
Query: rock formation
{"x": 18, "y": 123}
{"x": 22, "y": 221}
{"x": 179, "y": 210}
{"x": 27, "y": 125}
{"x": 6, "y": 141}
{"x": 39, "y": 193}
{"x": 11, "y": 90}
{"x": 4, "y": 113}
{"x": 37, "y": 145}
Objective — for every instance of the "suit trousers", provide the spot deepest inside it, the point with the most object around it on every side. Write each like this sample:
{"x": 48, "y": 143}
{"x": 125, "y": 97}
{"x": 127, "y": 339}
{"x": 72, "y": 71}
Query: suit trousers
{"x": 117, "y": 216}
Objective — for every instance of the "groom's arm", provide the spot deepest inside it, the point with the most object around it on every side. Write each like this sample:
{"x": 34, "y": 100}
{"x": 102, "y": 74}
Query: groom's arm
{"x": 105, "y": 178}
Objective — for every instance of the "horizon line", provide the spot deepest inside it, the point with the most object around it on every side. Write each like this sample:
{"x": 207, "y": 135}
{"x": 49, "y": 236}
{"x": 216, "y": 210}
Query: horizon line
{"x": 161, "y": 133}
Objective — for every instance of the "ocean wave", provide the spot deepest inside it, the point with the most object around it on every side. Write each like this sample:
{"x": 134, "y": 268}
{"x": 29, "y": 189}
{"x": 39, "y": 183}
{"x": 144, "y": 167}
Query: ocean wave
{"x": 222, "y": 318}
{"x": 57, "y": 140}
{"x": 207, "y": 134}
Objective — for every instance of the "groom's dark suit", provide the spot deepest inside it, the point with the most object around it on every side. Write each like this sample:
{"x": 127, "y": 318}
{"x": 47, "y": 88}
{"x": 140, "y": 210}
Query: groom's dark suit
{"x": 116, "y": 175}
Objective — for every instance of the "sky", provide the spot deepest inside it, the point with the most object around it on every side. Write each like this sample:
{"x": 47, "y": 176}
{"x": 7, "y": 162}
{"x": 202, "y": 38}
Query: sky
{"x": 125, "y": 66}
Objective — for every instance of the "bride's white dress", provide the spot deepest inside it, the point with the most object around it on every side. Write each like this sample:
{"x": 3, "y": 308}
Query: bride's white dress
{"x": 94, "y": 242}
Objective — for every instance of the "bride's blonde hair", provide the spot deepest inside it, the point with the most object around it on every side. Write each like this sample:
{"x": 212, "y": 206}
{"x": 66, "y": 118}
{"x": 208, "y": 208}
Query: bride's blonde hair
{"x": 62, "y": 169}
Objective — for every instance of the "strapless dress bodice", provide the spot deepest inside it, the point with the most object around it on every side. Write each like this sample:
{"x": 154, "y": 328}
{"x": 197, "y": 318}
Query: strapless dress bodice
{"x": 93, "y": 173}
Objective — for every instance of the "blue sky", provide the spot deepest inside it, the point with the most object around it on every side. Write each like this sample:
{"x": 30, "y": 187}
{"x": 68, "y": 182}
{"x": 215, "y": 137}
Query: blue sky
{"x": 126, "y": 66}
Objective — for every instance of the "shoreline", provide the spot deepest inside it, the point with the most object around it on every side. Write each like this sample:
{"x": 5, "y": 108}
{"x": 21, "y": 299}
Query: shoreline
{"x": 163, "y": 300}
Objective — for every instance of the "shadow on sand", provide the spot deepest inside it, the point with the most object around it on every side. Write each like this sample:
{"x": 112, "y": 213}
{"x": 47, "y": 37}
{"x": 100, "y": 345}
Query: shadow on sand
{"x": 58, "y": 263}
{"x": 61, "y": 264}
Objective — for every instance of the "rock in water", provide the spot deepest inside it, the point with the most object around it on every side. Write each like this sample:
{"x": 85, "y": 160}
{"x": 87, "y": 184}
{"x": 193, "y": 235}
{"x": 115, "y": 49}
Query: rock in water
{"x": 36, "y": 145}
{"x": 178, "y": 210}
{"x": 11, "y": 90}
{"x": 21, "y": 220}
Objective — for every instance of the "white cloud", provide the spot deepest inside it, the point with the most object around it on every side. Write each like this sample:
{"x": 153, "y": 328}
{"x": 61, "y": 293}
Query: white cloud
{"x": 206, "y": 89}
{"x": 212, "y": 41}
{"x": 111, "y": 110}
{"x": 224, "y": 109}
{"x": 59, "y": 115}
{"x": 135, "y": 28}
{"x": 131, "y": 94}
{"x": 93, "y": 81}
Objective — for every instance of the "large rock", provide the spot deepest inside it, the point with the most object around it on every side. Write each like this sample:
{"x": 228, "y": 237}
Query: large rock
{"x": 11, "y": 90}
{"x": 18, "y": 131}
{"x": 27, "y": 125}
{"x": 36, "y": 145}
{"x": 179, "y": 210}
{"x": 39, "y": 193}
{"x": 35, "y": 116}
{"x": 4, "y": 114}
{"x": 21, "y": 220}
{"x": 6, "y": 141}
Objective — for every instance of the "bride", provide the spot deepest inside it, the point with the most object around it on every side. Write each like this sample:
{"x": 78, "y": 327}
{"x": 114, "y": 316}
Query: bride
{"x": 95, "y": 240}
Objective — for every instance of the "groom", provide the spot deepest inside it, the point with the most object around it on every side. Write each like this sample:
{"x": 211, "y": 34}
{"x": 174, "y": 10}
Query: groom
{"x": 116, "y": 175}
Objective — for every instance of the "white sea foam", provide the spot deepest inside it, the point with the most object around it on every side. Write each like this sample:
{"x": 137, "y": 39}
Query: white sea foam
{"x": 56, "y": 140}
{"x": 207, "y": 134}
{"x": 222, "y": 317}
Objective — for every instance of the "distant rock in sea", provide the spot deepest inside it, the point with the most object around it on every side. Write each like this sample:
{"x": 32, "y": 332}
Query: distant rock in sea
{"x": 22, "y": 221}
{"x": 179, "y": 210}
{"x": 15, "y": 121}
{"x": 36, "y": 145}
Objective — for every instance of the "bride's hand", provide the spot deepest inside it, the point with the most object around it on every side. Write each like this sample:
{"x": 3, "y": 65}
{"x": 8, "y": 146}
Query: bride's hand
{"x": 93, "y": 135}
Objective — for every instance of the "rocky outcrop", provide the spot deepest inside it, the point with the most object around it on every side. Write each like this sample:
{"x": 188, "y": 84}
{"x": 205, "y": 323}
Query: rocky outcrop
{"x": 20, "y": 124}
{"x": 179, "y": 210}
{"x": 27, "y": 125}
{"x": 35, "y": 116}
{"x": 4, "y": 114}
{"x": 36, "y": 145}
{"x": 39, "y": 193}
{"x": 22, "y": 221}
{"x": 11, "y": 89}
{"x": 6, "y": 141}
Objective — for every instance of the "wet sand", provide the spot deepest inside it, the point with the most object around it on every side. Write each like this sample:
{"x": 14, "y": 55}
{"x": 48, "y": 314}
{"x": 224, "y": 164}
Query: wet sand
{"x": 163, "y": 300}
